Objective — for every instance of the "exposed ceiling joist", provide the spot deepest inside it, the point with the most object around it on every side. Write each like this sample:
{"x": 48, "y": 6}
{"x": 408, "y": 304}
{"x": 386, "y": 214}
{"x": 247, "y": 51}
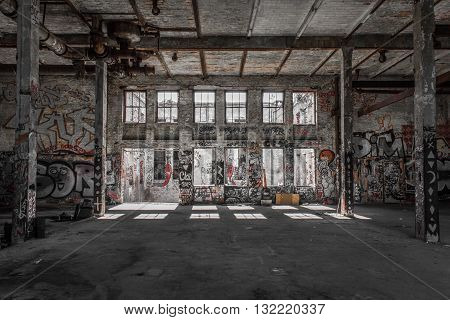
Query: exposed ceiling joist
{"x": 164, "y": 65}
{"x": 389, "y": 65}
{"x": 78, "y": 13}
{"x": 253, "y": 14}
{"x": 138, "y": 12}
{"x": 285, "y": 58}
{"x": 396, "y": 35}
{"x": 400, "y": 96}
{"x": 196, "y": 18}
{"x": 203, "y": 64}
{"x": 305, "y": 23}
{"x": 243, "y": 60}
{"x": 359, "y": 22}
{"x": 303, "y": 26}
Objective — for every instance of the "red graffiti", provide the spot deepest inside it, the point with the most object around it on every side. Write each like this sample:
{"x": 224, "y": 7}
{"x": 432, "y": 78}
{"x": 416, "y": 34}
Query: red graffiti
{"x": 168, "y": 172}
{"x": 327, "y": 155}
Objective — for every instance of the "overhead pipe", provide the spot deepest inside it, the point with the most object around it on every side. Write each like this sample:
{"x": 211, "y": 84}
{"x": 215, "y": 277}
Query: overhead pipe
{"x": 48, "y": 39}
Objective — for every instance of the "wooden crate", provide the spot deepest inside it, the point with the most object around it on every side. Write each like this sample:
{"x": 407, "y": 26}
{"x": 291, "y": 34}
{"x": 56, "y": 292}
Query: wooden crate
{"x": 287, "y": 198}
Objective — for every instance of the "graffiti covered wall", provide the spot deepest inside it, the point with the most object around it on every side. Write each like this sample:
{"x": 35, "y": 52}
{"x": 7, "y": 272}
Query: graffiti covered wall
{"x": 383, "y": 145}
{"x": 65, "y": 138}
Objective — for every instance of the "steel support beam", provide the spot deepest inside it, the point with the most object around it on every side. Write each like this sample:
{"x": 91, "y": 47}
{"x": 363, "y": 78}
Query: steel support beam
{"x": 101, "y": 89}
{"x": 258, "y": 43}
{"x": 440, "y": 80}
{"x": 425, "y": 153}
{"x": 346, "y": 118}
{"x": 27, "y": 79}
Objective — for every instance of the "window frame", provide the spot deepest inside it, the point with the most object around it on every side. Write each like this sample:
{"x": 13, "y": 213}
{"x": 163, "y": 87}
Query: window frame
{"x": 284, "y": 165}
{"x": 125, "y": 107}
{"x": 215, "y": 105}
{"x": 315, "y": 107}
{"x": 246, "y": 106}
{"x": 157, "y": 107}
{"x": 262, "y": 106}
{"x": 315, "y": 167}
{"x": 213, "y": 164}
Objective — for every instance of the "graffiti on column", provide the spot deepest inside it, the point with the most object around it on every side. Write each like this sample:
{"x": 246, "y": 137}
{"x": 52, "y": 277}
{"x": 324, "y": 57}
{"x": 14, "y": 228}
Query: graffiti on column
{"x": 254, "y": 172}
{"x": 327, "y": 176}
{"x": 185, "y": 176}
{"x": 430, "y": 185}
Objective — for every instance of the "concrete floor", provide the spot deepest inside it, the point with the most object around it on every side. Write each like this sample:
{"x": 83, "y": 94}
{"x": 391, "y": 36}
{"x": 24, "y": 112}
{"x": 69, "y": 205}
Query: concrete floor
{"x": 227, "y": 258}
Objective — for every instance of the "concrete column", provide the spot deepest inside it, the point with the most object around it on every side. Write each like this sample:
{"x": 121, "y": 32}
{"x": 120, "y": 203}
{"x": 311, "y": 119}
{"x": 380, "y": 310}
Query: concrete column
{"x": 25, "y": 139}
{"x": 346, "y": 165}
{"x": 101, "y": 88}
{"x": 427, "y": 207}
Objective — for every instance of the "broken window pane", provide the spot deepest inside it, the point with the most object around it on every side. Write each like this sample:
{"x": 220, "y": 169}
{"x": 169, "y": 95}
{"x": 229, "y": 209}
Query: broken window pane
{"x": 204, "y": 167}
{"x": 135, "y": 106}
{"x": 304, "y": 105}
{"x": 236, "y": 106}
{"x": 204, "y": 102}
{"x": 235, "y": 167}
{"x": 304, "y": 168}
{"x": 273, "y": 165}
{"x": 167, "y": 106}
{"x": 273, "y": 107}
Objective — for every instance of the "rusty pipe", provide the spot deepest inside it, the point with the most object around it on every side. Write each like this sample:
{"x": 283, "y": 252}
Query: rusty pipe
{"x": 48, "y": 39}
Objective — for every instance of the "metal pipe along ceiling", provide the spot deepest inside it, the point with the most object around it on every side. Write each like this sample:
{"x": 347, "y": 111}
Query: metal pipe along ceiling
{"x": 48, "y": 39}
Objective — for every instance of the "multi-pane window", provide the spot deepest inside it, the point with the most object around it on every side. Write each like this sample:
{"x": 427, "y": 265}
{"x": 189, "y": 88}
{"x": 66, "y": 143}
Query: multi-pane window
{"x": 204, "y": 160}
{"x": 273, "y": 165}
{"x": 273, "y": 107}
{"x": 236, "y": 106}
{"x": 135, "y": 106}
{"x": 167, "y": 106}
{"x": 235, "y": 167}
{"x": 304, "y": 105}
{"x": 204, "y": 102}
{"x": 305, "y": 168}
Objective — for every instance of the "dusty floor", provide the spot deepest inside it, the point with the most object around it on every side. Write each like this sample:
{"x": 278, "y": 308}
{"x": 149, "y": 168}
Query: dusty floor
{"x": 228, "y": 258}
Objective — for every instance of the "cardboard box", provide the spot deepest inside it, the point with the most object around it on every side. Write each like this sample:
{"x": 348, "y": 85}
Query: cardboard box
{"x": 287, "y": 198}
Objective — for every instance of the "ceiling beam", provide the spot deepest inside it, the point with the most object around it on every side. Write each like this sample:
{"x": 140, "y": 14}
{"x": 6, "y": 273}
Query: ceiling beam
{"x": 164, "y": 64}
{"x": 138, "y": 12}
{"x": 303, "y": 26}
{"x": 264, "y": 43}
{"x": 243, "y": 60}
{"x": 196, "y": 18}
{"x": 399, "y": 96}
{"x": 78, "y": 13}
{"x": 359, "y": 22}
{"x": 285, "y": 58}
{"x": 307, "y": 20}
{"x": 392, "y": 63}
{"x": 396, "y": 35}
{"x": 252, "y": 21}
{"x": 203, "y": 64}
